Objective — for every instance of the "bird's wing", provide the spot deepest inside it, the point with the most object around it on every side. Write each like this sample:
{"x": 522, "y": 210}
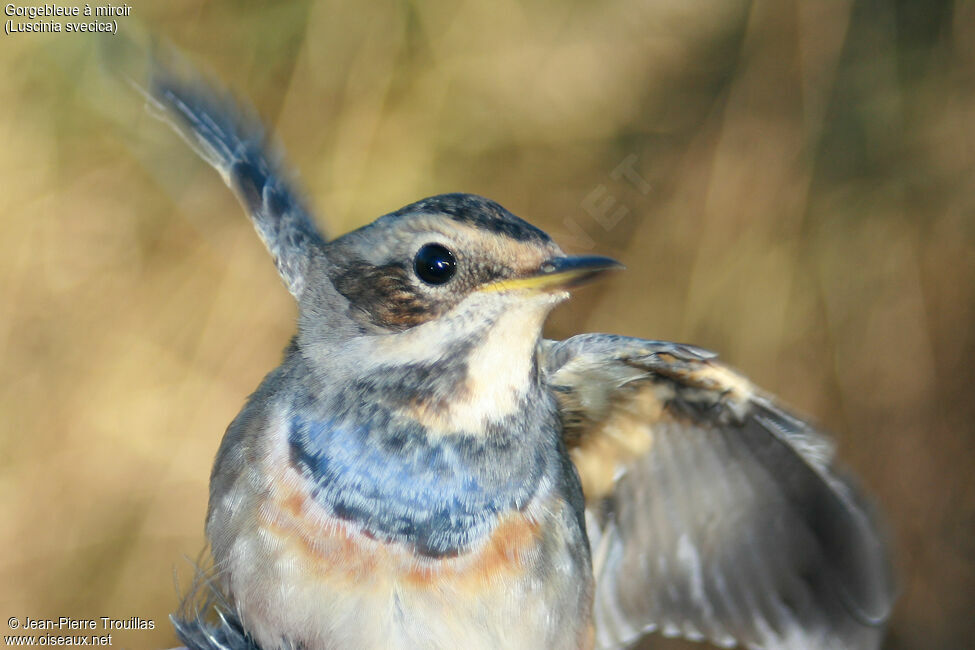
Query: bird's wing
{"x": 712, "y": 512}
{"x": 232, "y": 139}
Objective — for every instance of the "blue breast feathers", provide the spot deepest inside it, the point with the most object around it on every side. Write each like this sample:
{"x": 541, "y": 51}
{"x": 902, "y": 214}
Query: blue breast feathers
{"x": 439, "y": 495}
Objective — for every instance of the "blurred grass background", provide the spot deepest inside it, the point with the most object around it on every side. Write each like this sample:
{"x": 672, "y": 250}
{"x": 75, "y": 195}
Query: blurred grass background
{"x": 789, "y": 183}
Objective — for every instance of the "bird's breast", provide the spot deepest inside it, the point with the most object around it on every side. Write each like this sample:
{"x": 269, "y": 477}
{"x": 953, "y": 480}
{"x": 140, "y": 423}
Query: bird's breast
{"x": 305, "y": 577}
{"x": 392, "y": 481}
{"x": 366, "y": 536}
{"x": 345, "y": 554}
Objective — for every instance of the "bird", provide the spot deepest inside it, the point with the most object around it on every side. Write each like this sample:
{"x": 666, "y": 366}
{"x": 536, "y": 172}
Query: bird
{"x": 425, "y": 470}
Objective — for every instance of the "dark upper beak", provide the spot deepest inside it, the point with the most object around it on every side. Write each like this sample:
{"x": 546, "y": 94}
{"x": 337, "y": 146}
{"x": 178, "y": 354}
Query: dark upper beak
{"x": 559, "y": 273}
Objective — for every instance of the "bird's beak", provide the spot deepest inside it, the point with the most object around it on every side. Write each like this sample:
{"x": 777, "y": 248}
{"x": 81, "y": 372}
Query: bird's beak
{"x": 558, "y": 274}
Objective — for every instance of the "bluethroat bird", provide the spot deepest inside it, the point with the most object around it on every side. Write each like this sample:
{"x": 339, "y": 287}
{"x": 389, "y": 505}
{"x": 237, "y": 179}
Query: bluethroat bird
{"x": 424, "y": 470}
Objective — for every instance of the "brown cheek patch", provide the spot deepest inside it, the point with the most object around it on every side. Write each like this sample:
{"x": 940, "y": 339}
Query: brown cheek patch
{"x": 387, "y": 295}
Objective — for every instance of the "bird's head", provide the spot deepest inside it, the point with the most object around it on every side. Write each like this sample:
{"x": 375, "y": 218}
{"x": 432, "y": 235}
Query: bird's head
{"x": 450, "y": 293}
{"x": 459, "y": 259}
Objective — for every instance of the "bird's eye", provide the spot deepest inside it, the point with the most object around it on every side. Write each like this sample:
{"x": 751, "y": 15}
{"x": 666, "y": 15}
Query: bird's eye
{"x": 434, "y": 264}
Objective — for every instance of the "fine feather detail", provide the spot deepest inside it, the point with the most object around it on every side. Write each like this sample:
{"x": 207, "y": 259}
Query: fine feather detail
{"x": 206, "y": 620}
{"x": 230, "y": 137}
{"x": 713, "y": 512}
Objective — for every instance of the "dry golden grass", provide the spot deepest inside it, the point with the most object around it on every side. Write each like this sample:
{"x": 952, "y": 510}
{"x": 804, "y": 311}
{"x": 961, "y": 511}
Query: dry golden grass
{"x": 808, "y": 213}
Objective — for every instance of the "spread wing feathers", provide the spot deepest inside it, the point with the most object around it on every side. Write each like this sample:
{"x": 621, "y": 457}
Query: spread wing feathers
{"x": 712, "y": 512}
{"x": 232, "y": 139}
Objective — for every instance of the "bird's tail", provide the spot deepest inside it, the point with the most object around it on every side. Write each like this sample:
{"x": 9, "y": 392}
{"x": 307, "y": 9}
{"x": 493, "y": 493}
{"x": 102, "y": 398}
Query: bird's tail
{"x": 206, "y": 619}
{"x": 229, "y": 136}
